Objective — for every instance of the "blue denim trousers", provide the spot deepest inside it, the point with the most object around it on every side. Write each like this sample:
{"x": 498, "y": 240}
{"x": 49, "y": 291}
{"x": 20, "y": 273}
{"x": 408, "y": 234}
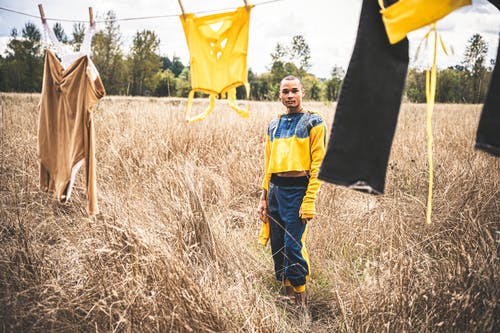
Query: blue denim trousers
{"x": 287, "y": 233}
{"x": 368, "y": 107}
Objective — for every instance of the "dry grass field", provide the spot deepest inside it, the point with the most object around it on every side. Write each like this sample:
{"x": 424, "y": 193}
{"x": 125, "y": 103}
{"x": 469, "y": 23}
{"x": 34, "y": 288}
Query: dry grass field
{"x": 174, "y": 248}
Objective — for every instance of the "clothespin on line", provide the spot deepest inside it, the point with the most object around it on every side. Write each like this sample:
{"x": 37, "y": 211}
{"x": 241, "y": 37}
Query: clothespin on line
{"x": 91, "y": 17}
{"x": 42, "y": 14}
{"x": 184, "y": 13}
{"x": 182, "y": 8}
{"x": 246, "y": 5}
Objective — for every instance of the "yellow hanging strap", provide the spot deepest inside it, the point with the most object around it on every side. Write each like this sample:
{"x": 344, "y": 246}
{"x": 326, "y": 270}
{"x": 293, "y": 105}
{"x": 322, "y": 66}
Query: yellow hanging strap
{"x": 231, "y": 98}
{"x": 430, "y": 94}
{"x": 202, "y": 115}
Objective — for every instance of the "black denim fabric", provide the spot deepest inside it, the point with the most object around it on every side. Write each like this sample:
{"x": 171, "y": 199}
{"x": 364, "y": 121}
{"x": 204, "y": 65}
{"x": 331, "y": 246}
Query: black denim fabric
{"x": 495, "y": 3}
{"x": 368, "y": 107}
{"x": 488, "y": 130}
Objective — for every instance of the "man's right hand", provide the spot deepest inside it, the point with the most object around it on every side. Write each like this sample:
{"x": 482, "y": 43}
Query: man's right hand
{"x": 262, "y": 208}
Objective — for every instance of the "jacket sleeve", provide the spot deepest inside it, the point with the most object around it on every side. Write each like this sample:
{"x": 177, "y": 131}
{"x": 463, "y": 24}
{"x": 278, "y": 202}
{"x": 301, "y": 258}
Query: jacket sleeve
{"x": 265, "y": 228}
{"x": 317, "y": 139}
{"x": 267, "y": 154}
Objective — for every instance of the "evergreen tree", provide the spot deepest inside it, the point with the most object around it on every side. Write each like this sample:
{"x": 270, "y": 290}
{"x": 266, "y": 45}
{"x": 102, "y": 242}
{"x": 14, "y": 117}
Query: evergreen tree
{"x": 450, "y": 86}
{"x": 332, "y": 85}
{"x": 144, "y": 63}
{"x": 292, "y": 60}
{"x": 280, "y": 53}
{"x": 108, "y": 57}
{"x": 78, "y": 34}
{"x": 183, "y": 83}
{"x": 166, "y": 63}
{"x": 474, "y": 64}
{"x": 313, "y": 87}
{"x": 177, "y": 66}
{"x": 59, "y": 33}
{"x": 415, "y": 86}
{"x": 259, "y": 85}
{"x": 22, "y": 69}
{"x": 300, "y": 54}
{"x": 166, "y": 83}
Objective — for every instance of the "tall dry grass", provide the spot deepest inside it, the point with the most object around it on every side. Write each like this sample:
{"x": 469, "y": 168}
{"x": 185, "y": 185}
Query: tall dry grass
{"x": 174, "y": 247}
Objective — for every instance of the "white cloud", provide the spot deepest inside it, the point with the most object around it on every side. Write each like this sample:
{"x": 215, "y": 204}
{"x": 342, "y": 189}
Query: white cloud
{"x": 3, "y": 44}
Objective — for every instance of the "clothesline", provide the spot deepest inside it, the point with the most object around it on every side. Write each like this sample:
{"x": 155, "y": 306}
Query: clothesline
{"x": 131, "y": 18}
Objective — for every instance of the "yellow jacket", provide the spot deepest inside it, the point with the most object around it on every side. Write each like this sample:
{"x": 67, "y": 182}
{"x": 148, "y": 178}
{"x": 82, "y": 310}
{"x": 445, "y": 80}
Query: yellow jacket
{"x": 299, "y": 147}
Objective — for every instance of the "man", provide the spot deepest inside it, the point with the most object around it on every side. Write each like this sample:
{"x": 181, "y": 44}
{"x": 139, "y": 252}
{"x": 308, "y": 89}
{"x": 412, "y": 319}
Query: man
{"x": 295, "y": 145}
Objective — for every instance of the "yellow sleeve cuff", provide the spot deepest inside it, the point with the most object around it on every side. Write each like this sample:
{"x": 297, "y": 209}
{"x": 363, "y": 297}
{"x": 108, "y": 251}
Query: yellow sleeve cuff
{"x": 264, "y": 234}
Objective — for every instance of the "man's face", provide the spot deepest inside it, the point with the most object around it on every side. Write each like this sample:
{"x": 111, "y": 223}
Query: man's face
{"x": 291, "y": 94}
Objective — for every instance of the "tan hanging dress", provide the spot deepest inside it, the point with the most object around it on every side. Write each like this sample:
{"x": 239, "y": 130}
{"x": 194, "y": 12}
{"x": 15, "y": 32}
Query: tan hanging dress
{"x": 65, "y": 127}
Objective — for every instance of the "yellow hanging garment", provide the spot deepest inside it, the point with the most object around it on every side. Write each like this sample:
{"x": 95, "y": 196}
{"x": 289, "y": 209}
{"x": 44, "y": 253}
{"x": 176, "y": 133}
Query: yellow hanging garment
{"x": 218, "y": 46}
{"x": 405, "y": 16}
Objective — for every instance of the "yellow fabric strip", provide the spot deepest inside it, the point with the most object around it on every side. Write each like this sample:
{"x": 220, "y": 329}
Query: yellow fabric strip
{"x": 304, "y": 253}
{"x": 299, "y": 289}
{"x": 202, "y": 115}
{"x": 231, "y": 97}
{"x": 405, "y": 16}
{"x": 430, "y": 93}
{"x": 264, "y": 233}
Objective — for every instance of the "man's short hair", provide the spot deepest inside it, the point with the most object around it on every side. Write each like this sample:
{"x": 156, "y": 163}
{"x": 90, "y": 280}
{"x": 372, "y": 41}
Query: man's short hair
{"x": 291, "y": 78}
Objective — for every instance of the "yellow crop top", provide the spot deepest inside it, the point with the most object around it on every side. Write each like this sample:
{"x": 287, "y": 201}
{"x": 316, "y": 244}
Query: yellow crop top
{"x": 218, "y": 46}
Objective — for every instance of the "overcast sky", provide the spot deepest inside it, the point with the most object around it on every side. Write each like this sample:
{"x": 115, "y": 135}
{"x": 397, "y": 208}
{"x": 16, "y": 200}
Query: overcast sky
{"x": 329, "y": 26}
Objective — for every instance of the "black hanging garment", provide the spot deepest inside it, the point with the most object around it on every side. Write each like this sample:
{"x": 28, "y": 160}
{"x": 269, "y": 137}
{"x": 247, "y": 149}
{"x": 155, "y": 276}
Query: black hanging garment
{"x": 368, "y": 107}
{"x": 488, "y": 131}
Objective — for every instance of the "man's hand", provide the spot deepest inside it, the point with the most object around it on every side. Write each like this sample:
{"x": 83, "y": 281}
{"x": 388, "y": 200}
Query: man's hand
{"x": 304, "y": 219}
{"x": 262, "y": 208}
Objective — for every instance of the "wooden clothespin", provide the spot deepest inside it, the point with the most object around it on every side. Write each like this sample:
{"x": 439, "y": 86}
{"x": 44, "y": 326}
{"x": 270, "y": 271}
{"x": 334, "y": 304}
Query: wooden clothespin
{"x": 182, "y": 8}
{"x": 42, "y": 14}
{"x": 91, "y": 17}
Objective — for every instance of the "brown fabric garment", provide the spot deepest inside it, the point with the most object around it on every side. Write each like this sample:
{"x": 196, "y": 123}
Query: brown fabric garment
{"x": 65, "y": 127}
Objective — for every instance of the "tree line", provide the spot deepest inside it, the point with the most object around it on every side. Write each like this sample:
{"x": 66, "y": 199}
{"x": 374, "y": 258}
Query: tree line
{"x": 144, "y": 72}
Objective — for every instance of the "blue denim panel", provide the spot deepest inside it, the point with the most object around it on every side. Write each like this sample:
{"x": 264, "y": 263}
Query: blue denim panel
{"x": 286, "y": 233}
